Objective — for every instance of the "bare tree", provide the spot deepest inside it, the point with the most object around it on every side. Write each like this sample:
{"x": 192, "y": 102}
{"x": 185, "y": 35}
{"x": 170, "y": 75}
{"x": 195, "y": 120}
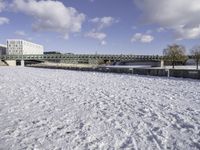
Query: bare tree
{"x": 175, "y": 53}
{"x": 196, "y": 53}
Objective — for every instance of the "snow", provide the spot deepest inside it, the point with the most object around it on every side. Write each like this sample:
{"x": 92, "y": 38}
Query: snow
{"x": 60, "y": 109}
{"x": 185, "y": 67}
{"x": 129, "y": 66}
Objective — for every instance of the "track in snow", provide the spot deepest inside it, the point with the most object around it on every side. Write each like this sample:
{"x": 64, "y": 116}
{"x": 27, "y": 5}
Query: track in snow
{"x": 52, "y": 109}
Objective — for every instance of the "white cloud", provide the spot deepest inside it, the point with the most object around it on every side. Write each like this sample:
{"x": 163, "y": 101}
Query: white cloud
{"x": 161, "y": 29}
{"x": 182, "y": 16}
{"x": 4, "y": 20}
{"x": 187, "y": 33}
{"x": 103, "y": 42}
{"x": 100, "y": 24}
{"x": 104, "y": 22}
{"x": 20, "y": 33}
{"x": 2, "y": 5}
{"x": 96, "y": 35}
{"x": 143, "y": 38}
{"x": 100, "y": 36}
{"x": 51, "y": 16}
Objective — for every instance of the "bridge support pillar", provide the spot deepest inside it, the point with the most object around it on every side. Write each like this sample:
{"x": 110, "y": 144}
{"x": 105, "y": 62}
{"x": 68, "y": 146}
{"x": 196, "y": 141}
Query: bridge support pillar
{"x": 162, "y": 63}
{"x": 22, "y": 63}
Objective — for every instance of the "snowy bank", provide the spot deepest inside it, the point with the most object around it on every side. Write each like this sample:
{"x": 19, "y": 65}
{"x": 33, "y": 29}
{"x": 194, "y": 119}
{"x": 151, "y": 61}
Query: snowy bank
{"x": 59, "y": 109}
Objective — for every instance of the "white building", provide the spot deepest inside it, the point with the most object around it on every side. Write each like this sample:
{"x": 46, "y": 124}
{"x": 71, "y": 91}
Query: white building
{"x": 21, "y": 47}
{"x": 3, "y": 49}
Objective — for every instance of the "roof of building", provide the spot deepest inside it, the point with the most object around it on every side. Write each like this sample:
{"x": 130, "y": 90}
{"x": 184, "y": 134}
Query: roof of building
{"x": 2, "y": 45}
{"x": 24, "y": 41}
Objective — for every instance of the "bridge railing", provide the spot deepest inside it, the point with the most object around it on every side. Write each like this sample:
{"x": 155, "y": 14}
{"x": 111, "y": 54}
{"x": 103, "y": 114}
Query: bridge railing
{"x": 81, "y": 56}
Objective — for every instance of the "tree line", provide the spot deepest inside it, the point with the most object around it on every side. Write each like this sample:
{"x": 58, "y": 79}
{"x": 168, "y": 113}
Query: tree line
{"x": 177, "y": 53}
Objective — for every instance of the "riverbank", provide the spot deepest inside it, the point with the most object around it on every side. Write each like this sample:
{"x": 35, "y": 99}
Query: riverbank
{"x": 139, "y": 70}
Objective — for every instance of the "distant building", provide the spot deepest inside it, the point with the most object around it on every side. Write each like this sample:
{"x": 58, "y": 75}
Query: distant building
{"x": 52, "y": 52}
{"x": 21, "y": 47}
{"x": 3, "y": 49}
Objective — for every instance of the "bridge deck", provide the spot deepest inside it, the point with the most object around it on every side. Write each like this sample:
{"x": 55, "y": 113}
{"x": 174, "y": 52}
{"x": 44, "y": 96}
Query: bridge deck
{"x": 81, "y": 57}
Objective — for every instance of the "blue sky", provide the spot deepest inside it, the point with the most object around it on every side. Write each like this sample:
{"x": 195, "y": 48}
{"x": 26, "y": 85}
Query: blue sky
{"x": 102, "y": 26}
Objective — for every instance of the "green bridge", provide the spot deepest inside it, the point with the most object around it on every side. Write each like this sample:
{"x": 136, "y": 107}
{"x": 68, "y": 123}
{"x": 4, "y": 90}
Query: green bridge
{"x": 81, "y": 57}
{"x": 85, "y": 58}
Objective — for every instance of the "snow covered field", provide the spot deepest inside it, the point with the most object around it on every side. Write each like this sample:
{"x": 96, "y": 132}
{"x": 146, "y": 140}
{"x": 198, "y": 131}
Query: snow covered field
{"x": 60, "y": 109}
